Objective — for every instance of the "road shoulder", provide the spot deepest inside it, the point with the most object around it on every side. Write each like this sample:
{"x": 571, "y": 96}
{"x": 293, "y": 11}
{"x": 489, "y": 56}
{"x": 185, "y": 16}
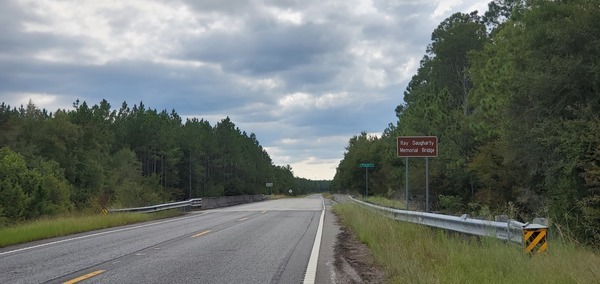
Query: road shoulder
{"x": 326, "y": 263}
{"x": 342, "y": 257}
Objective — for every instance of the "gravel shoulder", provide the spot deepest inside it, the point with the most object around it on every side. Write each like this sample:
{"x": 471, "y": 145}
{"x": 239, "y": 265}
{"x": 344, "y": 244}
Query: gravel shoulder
{"x": 344, "y": 259}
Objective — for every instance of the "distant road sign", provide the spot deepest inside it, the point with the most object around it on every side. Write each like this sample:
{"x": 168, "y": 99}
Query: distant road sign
{"x": 417, "y": 146}
{"x": 366, "y": 165}
{"x": 269, "y": 184}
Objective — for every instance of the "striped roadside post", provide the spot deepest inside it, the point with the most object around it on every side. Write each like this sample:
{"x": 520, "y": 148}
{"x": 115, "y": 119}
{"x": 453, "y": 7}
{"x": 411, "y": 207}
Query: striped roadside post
{"x": 535, "y": 238}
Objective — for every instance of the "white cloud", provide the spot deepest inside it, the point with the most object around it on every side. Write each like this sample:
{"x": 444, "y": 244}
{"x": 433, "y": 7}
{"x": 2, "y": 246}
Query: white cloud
{"x": 50, "y": 102}
{"x": 265, "y": 84}
{"x": 480, "y": 6}
{"x": 333, "y": 100}
{"x": 286, "y": 16}
{"x": 296, "y": 100}
{"x": 316, "y": 169}
{"x": 362, "y": 7}
{"x": 186, "y": 63}
{"x": 119, "y": 30}
{"x": 306, "y": 102}
{"x": 407, "y": 69}
{"x": 311, "y": 167}
{"x": 278, "y": 155}
{"x": 444, "y": 6}
{"x": 305, "y": 76}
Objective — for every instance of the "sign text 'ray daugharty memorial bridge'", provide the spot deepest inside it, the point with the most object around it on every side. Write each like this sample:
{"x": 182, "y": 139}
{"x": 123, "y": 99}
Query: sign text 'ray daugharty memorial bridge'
{"x": 413, "y": 147}
{"x": 417, "y": 146}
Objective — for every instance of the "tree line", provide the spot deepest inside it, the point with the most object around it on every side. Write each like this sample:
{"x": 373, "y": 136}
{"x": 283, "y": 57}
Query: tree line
{"x": 93, "y": 157}
{"x": 514, "y": 98}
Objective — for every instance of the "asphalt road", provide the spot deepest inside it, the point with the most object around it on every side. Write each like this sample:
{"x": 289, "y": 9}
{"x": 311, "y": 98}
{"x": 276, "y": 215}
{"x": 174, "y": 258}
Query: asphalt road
{"x": 263, "y": 242}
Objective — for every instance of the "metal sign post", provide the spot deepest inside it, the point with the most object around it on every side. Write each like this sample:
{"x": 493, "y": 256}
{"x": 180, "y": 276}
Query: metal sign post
{"x": 366, "y": 182}
{"x": 422, "y": 147}
{"x": 406, "y": 182}
{"x": 366, "y": 166}
{"x": 270, "y": 187}
{"x": 426, "y": 184}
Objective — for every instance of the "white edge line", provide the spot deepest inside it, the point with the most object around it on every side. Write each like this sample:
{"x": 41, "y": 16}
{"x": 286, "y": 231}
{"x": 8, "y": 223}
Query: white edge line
{"x": 93, "y": 235}
{"x": 311, "y": 269}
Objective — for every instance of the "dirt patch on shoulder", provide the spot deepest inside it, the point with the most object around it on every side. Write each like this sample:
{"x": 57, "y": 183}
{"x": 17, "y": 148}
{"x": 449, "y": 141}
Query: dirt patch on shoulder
{"x": 354, "y": 262}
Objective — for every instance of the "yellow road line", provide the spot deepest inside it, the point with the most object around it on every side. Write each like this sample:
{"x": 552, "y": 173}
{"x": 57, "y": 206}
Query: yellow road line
{"x": 201, "y": 233}
{"x": 244, "y": 219}
{"x": 84, "y": 277}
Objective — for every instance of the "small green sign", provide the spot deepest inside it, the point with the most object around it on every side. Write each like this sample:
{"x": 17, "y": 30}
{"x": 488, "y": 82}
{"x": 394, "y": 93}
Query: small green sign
{"x": 365, "y": 165}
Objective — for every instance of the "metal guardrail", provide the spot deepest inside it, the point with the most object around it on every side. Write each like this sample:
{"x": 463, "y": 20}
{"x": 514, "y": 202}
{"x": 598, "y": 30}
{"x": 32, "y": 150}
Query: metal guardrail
{"x": 194, "y": 202}
{"x": 511, "y": 230}
{"x": 207, "y": 203}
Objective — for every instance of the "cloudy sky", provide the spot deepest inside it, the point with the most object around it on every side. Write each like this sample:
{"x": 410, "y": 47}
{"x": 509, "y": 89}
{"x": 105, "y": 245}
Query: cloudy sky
{"x": 303, "y": 75}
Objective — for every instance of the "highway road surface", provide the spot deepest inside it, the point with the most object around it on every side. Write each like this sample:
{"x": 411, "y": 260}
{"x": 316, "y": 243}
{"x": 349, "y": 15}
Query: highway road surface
{"x": 262, "y": 242}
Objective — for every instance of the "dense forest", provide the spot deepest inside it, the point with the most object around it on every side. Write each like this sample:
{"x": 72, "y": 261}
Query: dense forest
{"x": 514, "y": 98}
{"x": 93, "y": 157}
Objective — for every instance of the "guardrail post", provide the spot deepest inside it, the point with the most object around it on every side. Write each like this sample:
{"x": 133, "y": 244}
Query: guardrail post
{"x": 535, "y": 238}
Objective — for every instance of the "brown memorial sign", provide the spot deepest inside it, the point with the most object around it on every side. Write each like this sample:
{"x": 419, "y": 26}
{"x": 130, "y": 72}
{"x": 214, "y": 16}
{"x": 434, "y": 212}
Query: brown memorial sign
{"x": 417, "y": 146}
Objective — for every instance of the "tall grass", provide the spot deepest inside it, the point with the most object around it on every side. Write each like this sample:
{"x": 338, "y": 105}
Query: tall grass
{"x": 71, "y": 224}
{"x": 412, "y": 253}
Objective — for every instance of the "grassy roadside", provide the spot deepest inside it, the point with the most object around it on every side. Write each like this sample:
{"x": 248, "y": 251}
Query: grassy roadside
{"x": 415, "y": 254}
{"x": 66, "y": 225}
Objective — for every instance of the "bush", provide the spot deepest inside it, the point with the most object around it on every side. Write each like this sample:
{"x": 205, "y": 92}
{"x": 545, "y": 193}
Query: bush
{"x": 450, "y": 204}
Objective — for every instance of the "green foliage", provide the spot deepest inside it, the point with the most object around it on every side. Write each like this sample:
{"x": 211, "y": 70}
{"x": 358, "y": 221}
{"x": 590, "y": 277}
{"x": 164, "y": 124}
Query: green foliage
{"x": 306, "y": 186}
{"x": 93, "y": 156}
{"x": 450, "y": 204}
{"x": 29, "y": 193}
{"x": 54, "y": 192}
{"x": 514, "y": 98}
{"x": 284, "y": 181}
{"x": 132, "y": 194}
{"x": 128, "y": 186}
{"x": 13, "y": 197}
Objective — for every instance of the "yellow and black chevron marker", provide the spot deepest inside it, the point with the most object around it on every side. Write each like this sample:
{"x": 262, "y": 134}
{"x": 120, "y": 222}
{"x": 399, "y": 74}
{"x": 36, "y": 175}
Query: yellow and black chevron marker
{"x": 534, "y": 238}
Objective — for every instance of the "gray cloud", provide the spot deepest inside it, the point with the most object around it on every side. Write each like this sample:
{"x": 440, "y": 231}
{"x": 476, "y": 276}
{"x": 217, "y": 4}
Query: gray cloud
{"x": 266, "y": 49}
{"x": 305, "y": 76}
